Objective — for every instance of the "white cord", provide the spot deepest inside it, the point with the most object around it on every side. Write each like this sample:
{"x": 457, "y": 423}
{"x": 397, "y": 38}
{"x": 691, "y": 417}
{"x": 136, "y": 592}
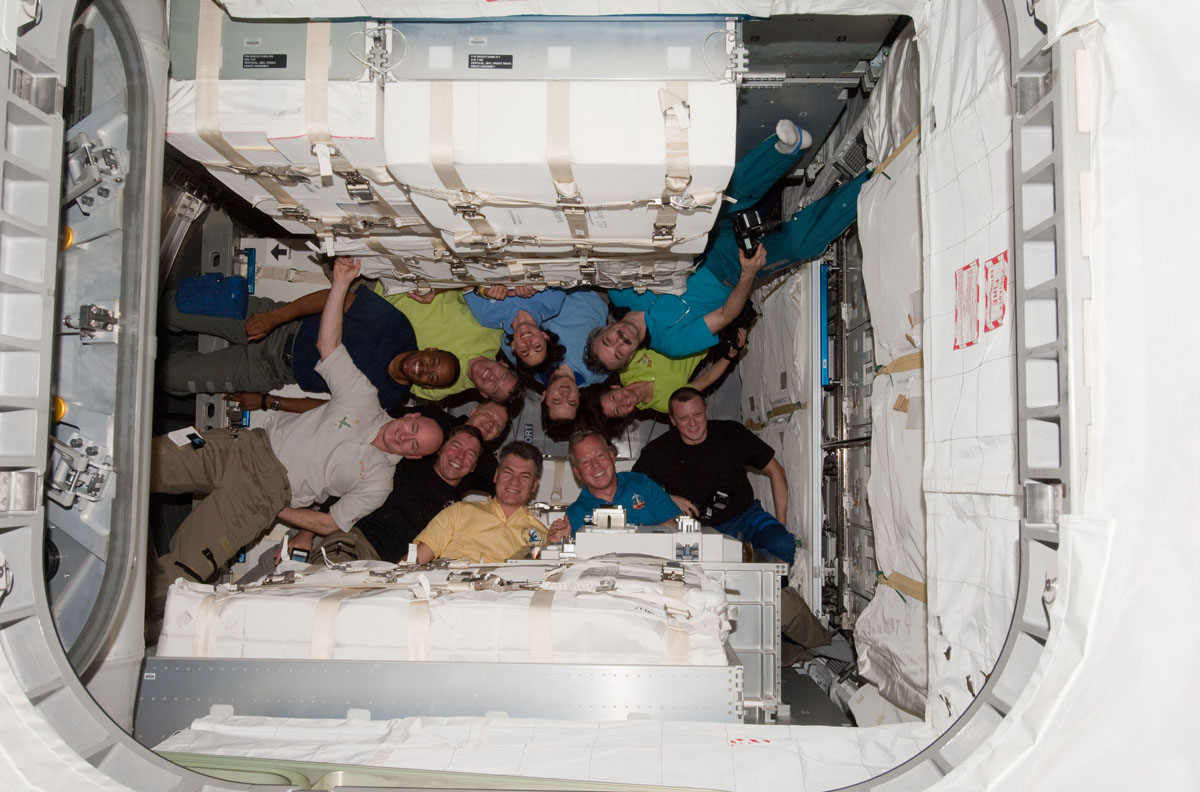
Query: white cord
{"x": 378, "y": 72}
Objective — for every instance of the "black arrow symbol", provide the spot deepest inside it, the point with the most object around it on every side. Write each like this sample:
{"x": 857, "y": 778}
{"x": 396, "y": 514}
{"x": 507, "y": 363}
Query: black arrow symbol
{"x": 278, "y": 250}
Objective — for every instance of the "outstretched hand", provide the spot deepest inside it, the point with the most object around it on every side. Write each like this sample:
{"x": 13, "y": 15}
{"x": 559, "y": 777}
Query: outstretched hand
{"x": 758, "y": 260}
{"x": 346, "y": 269}
{"x": 686, "y": 506}
{"x": 260, "y": 324}
{"x": 425, "y": 297}
{"x": 246, "y": 400}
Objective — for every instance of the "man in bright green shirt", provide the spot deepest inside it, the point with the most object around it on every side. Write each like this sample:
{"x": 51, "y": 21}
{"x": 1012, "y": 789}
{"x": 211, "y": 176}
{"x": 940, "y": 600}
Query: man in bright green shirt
{"x": 443, "y": 320}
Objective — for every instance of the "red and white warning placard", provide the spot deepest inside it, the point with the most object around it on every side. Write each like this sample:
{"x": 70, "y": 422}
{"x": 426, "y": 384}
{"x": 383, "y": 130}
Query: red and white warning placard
{"x": 995, "y": 295}
{"x": 966, "y": 305}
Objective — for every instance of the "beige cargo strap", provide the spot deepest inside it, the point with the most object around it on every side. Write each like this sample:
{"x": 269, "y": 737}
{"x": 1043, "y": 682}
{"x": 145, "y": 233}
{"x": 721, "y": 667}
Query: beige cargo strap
{"x": 441, "y": 154}
{"x": 291, "y": 275}
{"x": 208, "y": 97}
{"x": 676, "y": 120}
{"x": 316, "y": 96}
{"x": 903, "y": 584}
{"x": 560, "y": 465}
{"x": 418, "y": 629}
{"x": 910, "y": 362}
{"x": 325, "y": 621}
{"x": 206, "y": 623}
{"x": 558, "y": 156}
{"x": 397, "y": 261}
{"x": 679, "y": 646}
{"x": 541, "y": 636}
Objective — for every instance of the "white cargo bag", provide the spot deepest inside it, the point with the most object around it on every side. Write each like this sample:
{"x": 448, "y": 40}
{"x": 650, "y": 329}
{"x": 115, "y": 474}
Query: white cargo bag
{"x": 619, "y": 610}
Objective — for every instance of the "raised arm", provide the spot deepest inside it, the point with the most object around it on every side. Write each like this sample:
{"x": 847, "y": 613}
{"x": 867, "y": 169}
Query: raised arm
{"x": 706, "y": 378}
{"x": 329, "y": 333}
{"x": 779, "y": 488}
{"x": 260, "y": 324}
{"x": 719, "y": 319}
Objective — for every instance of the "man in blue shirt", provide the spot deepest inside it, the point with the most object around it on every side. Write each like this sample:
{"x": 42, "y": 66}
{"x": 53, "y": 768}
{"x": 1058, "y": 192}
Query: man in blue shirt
{"x": 594, "y": 463}
{"x": 681, "y": 325}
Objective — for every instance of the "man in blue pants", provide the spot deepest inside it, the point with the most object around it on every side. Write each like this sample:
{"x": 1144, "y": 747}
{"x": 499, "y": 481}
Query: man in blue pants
{"x": 702, "y": 466}
{"x": 682, "y": 325}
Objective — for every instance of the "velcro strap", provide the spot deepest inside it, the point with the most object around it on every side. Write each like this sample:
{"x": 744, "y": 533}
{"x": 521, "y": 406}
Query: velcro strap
{"x": 541, "y": 643}
{"x": 324, "y": 622}
{"x": 560, "y": 465}
{"x": 418, "y": 629}
{"x": 903, "y": 584}
{"x": 676, "y": 120}
{"x": 441, "y": 149}
{"x": 558, "y": 157}
{"x": 208, "y": 96}
{"x": 206, "y": 623}
{"x": 316, "y": 85}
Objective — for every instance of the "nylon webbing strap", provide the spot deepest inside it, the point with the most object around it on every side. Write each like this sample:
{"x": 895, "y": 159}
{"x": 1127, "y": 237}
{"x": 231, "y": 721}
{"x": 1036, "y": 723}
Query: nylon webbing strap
{"x": 396, "y": 261}
{"x": 560, "y": 465}
{"x": 903, "y": 584}
{"x": 206, "y": 623}
{"x": 290, "y": 275}
{"x": 208, "y": 97}
{"x": 558, "y": 156}
{"x": 441, "y": 150}
{"x": 316, "y": 83}
{"x": 910, "y": 362}
{"x": 541, "y": 637}
{"x": 324, "y": 622}
{"x": 676, "y": 120}
{"x": 679, "y": 647}
{"x": 418, "y": 629}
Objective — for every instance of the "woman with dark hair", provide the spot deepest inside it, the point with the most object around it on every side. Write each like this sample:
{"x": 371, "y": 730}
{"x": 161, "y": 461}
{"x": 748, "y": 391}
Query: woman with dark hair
{"x": 521, "y": 313}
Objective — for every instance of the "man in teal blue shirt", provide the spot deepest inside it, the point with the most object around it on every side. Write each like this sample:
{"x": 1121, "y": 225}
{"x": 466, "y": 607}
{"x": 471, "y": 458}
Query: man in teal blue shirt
{"x": 594, "y": 463}
{"x": 682, "y": 325}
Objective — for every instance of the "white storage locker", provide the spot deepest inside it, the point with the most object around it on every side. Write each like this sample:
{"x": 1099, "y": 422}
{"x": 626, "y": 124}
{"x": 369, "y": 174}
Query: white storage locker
{"x": 515, "y": 147}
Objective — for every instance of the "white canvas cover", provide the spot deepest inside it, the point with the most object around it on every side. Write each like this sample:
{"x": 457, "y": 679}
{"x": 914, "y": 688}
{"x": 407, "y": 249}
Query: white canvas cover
{"x": 970, "y": 410}
{"x": 466, "y": 9}
{"x": 612, "y": 152}
{"x": 607, "y": 610}
{"x": 722, "y": 756}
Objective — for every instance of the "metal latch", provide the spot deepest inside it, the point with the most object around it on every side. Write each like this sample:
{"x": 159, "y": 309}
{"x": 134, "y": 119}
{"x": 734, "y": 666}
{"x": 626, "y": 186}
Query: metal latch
{"x": 468, "y": 211}
{"x": 298, "y": 213}
{"x": 358, "y": 188}
{"x": 663, "y": 233}
{"x": 86, "y": 167}
{"x": 91, "y": 321}
{"x": 672, "y": 571}
{"x": 79, "y": 468}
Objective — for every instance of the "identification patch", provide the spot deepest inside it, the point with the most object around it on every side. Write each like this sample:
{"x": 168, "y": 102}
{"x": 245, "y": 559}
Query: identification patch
{"x": 966, "y": 305}
{"x": 256, "y": 60}
{"x": 995, "y": 279}
{"x": 475, "y": 61}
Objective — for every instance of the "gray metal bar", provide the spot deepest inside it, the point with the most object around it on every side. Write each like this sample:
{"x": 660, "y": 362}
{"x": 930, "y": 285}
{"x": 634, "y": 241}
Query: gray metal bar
{"x": 176, "y": 691}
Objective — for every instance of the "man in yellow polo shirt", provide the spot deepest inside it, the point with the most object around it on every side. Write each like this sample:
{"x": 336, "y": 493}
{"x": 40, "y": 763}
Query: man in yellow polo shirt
{"x": 496, "y": 529}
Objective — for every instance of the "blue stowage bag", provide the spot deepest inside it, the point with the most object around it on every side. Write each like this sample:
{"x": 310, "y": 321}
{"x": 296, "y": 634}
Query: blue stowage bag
{"x": 213, "y": 294}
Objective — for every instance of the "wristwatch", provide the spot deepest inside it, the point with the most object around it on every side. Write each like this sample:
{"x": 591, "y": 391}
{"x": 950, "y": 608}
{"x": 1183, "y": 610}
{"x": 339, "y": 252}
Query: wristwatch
{"x": 275, "y": 403}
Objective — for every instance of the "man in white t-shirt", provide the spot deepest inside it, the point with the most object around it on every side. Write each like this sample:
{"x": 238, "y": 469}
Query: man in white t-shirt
{"x": 346, "y": 448}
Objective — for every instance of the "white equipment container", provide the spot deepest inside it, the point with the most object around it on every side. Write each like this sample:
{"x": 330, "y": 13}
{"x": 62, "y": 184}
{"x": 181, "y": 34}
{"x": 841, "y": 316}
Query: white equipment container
{"x": 603, "y": 611}
{"x": 702, "y": 545}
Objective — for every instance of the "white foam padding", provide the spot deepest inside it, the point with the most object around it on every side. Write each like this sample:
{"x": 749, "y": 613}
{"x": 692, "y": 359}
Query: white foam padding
{"x": 265, "y": 121}
{"x": 617, "y": 143}
{"x": 628, "y": 624}
{"x": 775, "y": 368}
{"x": 678, "y": 754}
{"x": 889, "y": 230}
{"x": 895, "y": 105}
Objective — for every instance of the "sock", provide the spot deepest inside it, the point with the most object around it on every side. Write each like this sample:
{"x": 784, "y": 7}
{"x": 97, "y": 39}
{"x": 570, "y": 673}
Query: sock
{"x": 791, "y": 138}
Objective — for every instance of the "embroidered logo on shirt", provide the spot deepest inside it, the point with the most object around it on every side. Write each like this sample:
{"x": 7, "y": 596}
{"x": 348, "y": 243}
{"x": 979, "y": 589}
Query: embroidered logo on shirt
{"x": 343, "y": 424}
{"x": 535, "y": 536}
{"x": 638, "y": 502}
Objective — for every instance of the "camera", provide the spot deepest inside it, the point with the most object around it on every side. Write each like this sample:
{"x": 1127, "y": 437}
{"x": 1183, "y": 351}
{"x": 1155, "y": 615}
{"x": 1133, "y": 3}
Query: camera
{"x": 715, "y": 506}
{"x": 750, "y": 226}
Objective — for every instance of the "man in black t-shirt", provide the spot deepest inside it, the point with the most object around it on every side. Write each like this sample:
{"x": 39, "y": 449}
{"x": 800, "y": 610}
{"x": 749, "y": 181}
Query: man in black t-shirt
{"x": 419, "y": 491}
{"x": 702, "y": 465}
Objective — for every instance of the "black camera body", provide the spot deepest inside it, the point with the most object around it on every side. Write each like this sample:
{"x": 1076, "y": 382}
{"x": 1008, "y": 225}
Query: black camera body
{"x": 750, "y": 226}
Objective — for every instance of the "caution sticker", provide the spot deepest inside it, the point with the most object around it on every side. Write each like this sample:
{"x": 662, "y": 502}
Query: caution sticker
{"x": 995, "y": 278}
{"x": 966, "y": 305}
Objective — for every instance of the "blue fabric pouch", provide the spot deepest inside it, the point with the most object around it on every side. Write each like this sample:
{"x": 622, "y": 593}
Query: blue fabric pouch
{"x": 214, "y": 294}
